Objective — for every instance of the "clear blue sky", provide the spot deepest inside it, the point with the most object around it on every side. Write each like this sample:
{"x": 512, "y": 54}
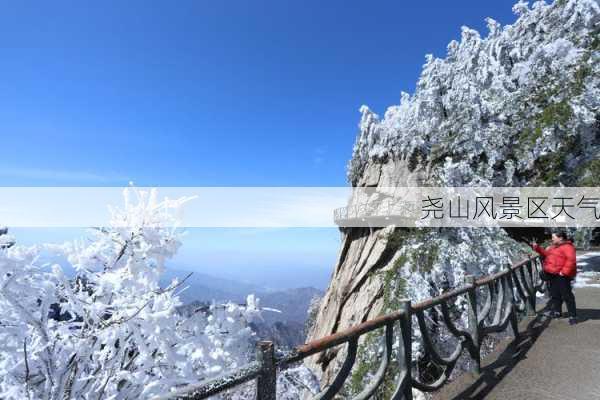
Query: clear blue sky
{"x": 257, "y": 93}
{"x": 219, "y": 93}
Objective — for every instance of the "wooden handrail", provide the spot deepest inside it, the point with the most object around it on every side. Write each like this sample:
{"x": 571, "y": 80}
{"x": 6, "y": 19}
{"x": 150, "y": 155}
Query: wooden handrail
{"x": 512, "y": 290}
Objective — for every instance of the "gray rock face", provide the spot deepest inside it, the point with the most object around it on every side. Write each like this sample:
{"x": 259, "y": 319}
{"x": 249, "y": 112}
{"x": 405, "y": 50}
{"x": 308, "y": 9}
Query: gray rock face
{"x": 520, "y": 107}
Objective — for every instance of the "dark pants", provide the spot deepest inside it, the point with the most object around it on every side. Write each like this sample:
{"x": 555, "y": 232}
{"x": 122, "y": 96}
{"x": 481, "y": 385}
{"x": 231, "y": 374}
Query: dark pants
{"x": 560, "y": 290}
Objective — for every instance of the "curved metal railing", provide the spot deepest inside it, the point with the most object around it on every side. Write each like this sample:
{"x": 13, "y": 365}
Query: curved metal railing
{"x": 509, "y": 293}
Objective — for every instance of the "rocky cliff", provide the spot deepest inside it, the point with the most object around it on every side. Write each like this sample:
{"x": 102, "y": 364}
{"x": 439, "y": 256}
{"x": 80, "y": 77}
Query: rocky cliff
{"x": 519, "y": 107}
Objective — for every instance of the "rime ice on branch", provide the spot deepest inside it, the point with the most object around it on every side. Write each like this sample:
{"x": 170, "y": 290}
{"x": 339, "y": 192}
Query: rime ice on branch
{"x": 111, "y": 330}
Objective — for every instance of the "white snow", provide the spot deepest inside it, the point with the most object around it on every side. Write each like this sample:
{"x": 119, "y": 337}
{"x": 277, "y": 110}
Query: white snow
{"x": 473, "y": 101}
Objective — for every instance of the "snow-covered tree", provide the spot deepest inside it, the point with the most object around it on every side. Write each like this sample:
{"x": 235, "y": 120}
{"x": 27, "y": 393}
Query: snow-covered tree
{"x": 518, "y": 107}
{"x": 111, "y": 331}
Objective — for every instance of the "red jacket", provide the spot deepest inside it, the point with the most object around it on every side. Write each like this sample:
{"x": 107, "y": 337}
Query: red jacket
{"x": 559, "y": 259}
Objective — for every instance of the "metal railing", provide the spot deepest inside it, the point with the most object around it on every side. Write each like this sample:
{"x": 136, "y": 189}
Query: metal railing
{"x": 509, "y": 293}
{"x": 374, "y": 208}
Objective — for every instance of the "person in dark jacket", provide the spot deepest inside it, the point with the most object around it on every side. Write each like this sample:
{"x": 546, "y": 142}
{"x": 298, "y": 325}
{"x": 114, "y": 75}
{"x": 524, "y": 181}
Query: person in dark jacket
{"x": 561, "y": 265}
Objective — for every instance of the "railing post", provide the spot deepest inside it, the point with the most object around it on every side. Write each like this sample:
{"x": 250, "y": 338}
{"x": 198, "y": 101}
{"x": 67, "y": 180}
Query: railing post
{"x": 510, "y": 295}
{"x": 473, "y": 324}
{"x": 405, "y": 356}
{"x": 266, "y": 383}
{"x": 532, "y": 295}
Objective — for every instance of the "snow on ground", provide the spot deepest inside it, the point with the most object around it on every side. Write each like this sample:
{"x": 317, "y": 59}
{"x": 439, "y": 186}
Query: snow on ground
{"x": 588, "y": 270}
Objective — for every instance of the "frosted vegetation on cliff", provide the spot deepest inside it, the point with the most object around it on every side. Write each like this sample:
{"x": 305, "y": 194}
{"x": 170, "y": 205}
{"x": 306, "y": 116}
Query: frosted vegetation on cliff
{"x": 517, "y": 107}
{"x": 520, "y": 107}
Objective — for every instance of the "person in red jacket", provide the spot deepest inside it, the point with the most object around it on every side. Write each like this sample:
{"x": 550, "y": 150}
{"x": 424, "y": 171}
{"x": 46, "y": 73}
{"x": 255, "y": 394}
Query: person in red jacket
{"x": 560, "y": 263}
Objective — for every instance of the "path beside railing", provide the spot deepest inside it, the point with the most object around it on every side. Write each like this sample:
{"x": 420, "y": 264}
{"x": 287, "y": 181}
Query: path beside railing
{"x": 551, "y": 361}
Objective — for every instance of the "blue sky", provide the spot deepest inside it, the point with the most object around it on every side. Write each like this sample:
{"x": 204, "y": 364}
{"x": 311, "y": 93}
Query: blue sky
{"x": 198, "y": 93}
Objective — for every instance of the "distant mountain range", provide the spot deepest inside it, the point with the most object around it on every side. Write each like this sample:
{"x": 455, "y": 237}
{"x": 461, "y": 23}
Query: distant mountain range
{"x": 202, "y": 287}
{"x": 285, "y": 328}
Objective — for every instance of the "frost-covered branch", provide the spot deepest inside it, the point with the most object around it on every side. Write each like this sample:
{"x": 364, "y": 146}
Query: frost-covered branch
{"x": 111, "y": 330}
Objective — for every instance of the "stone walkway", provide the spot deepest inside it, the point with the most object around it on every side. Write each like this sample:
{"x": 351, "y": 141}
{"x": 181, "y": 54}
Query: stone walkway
{"x": 553, "y": 361}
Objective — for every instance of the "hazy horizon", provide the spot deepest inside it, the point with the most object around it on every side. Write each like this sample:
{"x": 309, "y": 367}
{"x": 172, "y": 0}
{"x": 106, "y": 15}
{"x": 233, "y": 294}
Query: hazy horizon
{"x": 276, "y": 259}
